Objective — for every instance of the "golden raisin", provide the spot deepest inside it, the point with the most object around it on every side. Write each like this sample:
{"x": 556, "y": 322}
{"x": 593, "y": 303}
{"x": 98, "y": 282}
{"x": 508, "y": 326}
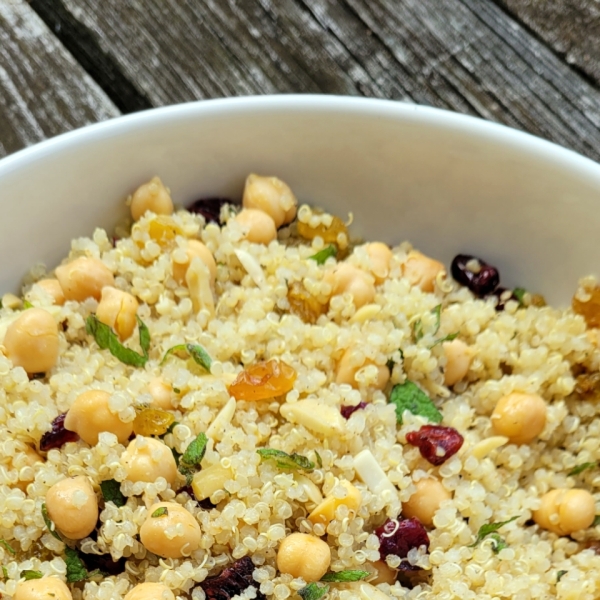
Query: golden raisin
{"x": 152, "y": 421}
{"x": 263, "y": 381}
{"x": 162, "y": 229}
{"x": 589, "y": 310}
{"x": 303, "y": 304}
{"x": 329, "y": 234}
{"x": 588, "y": 384}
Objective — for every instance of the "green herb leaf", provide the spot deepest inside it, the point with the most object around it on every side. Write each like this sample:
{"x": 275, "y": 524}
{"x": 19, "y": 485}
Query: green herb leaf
{"x": 448, "y": 338}
{"x": 324, "y": 254}
{"x": 49, "y": 524}
{"x": 437, "y": 311}
{"x": 596, "y": 521}
{"x": 107, "y": 339}
{"x": 560, "y": 575}
{"x": 581, "y": 468}
{"x": 408, "y": 396}
{"x": 418, "y": 330}
{"x": 390, "y": 363}
{"x": 111, "y": 492}
{"x": 27, "y": 304}
{"x": 169, "y": 429}
{"x": 5, "y": 572}
{"x": 177, "y": 390}
{"x": 285, "y": 461}
{"x": 313, "y": 591}
{"x": 76, "y": 570}
{"x": 162, "y": 511}
{"x": 28, "y": 574}
{"x": 8, "y": 547}
{"x": 343, "y": 576}
{"x": 197, "y": 352}
{"x": 189, "y": 461}
{"x": 498, "y": 543}
{"x": 488, "y": 529}
{"x": 519, "y": 294}
{"x": 319, "y": 459}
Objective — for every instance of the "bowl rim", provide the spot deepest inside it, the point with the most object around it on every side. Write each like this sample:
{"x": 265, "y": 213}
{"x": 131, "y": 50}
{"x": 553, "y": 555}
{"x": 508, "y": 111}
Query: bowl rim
{"x": 307, "y": 103}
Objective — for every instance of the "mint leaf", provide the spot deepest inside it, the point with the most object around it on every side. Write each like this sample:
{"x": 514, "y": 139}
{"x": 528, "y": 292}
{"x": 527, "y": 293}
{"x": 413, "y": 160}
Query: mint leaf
{"x": 197, "y": 352}
{"x": 343, "y": 576}
{"x": 285, "y": 461}
{"x": 437, "y": 311}
{"x": 488, "y": 529}
{"x": 418, "y": 330}
{"x": 408, "y": 396}
{"x": 111, "y": 492}
{"x": 162, "y": 511}
{"x": 519, "y": 294}
{"x": 189, "y": 461}
{"x": 581, "y": 468}
{"x": 27, "y": 304}
{"x": 448, "y": 338}
{"x": 49, "y": 524}
{"x": 596, "y": 521}
{"x": 319, "y": 459}
{"x": 324, "y": 254}
{"x": 313, "y": 591}
{"x": 5, "y": 572}
{"x": 76, "y": 570}
{"x": 497, "y": 543}
{"x": 8, "y": 547}
{"x": 107, "y": 339}
{"x": 28, "y": 574}
{"x": 560, "y": 575}
{"x": 390, "y": 363}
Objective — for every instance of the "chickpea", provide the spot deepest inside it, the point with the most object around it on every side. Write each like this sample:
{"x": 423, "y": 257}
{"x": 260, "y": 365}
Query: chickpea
{"x": 147, "y": 459}
{"x": 118, "y": 309}
{"x": 172, "y": 535}
{"x": 519, "y": 417}
{"x": 565, "y": 511}
{"x": 73, "y": 507}
{"x": 150, "y": 591}
{"x": 271, "y": 195}
{"x": 426, "y": 500}
{"x": 84, "y": 278}
{"x": 31, "y": 341}
{"x": 381, "y": 258}
{"x": 258, "y": 226}
{"x": 422, "y": 271}
{"x": 347, "y": 369}
{"x": 53, "y": 289}
{"x": 161, "y": 393}
{"x": 458, "y": 361}
{"x": 348, "y": 279}
{"x": 152, "y": 196}
{"x": 195, "y": 249}
{"x": 304, "y": 555}
{"x": 385, "y": 573}
{"x": 46, "y": 588}
{"x": 90, "y": 415}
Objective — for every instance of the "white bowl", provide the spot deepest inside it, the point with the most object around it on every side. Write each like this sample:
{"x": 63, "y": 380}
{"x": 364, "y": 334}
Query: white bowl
{"x": 446, "y": 182}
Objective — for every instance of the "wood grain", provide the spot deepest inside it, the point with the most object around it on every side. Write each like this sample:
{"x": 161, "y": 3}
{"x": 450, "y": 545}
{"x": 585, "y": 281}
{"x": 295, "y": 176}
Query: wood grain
{"x": 43, "y": 90}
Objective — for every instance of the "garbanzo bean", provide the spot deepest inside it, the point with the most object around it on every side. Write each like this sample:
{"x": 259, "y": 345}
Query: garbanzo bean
{"x": 161, "y": 392}
{"x": 304, "y": 555}
{"x": 426, "y": 500}
{"x": 84, "y": 278}
{"x": 459, "y": 357}
{"x": 271, "y": 195}
{"x": 519, "y": 417}
{"x": 53, "y": 289}
{"x": 147, "y": 459}
{"x": 347, "y": 369}
{"x": 46, "y": 588}
{"x": 564, "y": 511}
{"x": 422, "y": 271}
{"x": 31, "y": 341}
{"x": 73, "y": 507}
{"x": 348, "y": 279}
{"x": 258, "y": 226}
{"x": 90, "y": 415}
{"x": 118, "y": 309}
{"x": 150, "y": 591}
{"x": 385, "y": 573}
{"x": 152, "y": 196}
{"x": 173, "y": 534}
{"x": 381, "y": 258}
{"x": 194, "y": 249}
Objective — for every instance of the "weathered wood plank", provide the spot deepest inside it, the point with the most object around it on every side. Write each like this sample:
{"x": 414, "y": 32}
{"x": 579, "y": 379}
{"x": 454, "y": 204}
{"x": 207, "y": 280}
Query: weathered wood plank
{"x": 466, "y": 55}
{"x": 570, "y": 27}
{"x": 43, "y": 91}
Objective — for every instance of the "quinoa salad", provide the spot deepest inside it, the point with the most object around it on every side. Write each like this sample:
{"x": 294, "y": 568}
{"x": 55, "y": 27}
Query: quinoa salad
{"x": 241, "y": 401}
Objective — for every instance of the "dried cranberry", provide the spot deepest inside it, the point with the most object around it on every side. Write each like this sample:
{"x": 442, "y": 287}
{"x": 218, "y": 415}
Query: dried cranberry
{"x": 482, "y": 282}
{"x": 399, "y": 537}
{"x": 232, "y": 581}
{"x": 58, "y": 435}
{"x": 348, "y": 411}
{"x": 436, "y": 442}
{"x": 103, "y": 562}
{"x": 209, "y": 208}
{"x": 503, "y": 295}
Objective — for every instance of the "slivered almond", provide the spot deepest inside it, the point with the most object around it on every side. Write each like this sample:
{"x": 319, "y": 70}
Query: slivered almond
{"x": 314, "y": 415}
{"x": 484, "y": 447}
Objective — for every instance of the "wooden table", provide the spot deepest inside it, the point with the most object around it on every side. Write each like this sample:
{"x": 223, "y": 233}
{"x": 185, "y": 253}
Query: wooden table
{"x": 532, "y": 64}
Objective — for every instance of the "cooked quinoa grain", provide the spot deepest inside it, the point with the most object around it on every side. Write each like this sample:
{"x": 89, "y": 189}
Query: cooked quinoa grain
{"x": 222, "y": 409}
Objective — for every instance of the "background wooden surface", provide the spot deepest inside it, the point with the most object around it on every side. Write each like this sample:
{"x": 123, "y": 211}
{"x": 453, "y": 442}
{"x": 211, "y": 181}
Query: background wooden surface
{"x": 532, "y": 64}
